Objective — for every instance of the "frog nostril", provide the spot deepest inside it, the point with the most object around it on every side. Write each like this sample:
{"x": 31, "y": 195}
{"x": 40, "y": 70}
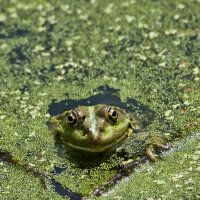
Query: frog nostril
{"x": 86, "y": 130}
{"x": 101, "y": 129}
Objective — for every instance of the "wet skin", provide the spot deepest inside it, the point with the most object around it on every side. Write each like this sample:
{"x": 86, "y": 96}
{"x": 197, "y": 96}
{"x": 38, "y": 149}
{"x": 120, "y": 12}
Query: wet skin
{"x": 101, "y": 128}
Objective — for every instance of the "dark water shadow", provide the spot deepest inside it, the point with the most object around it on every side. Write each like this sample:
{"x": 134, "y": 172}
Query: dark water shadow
{"x": 105, "y": 95}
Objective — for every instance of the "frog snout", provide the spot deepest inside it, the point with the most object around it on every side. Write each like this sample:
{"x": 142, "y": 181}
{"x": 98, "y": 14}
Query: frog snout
{"x": 93, "y": 135}
{"x": 93, "y": 131}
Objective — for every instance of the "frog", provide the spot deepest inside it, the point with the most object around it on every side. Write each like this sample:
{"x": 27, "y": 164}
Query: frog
{"x": 105, "y": 128}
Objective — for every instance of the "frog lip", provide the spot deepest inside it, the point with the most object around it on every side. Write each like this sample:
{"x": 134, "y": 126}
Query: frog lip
{"x": 96, "y": 150}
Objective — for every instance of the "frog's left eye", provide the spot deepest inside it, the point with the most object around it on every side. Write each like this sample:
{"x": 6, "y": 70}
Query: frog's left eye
{"x": 72, "y": 118}
{"x": 112, "y": 114}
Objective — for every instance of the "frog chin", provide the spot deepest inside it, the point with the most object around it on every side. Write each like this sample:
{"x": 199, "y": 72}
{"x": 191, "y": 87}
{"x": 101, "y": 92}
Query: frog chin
{"x": 99, "y": 149}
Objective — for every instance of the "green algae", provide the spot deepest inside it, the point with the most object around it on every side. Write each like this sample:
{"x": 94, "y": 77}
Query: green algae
{"x": 175, "y": 177}
{"x": 66, "y": 49}
{"x": 17, "y": 184}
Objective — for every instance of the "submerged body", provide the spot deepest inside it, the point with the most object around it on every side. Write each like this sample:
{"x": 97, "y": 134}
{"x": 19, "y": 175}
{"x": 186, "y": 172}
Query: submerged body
{"x": 100, "y": 128}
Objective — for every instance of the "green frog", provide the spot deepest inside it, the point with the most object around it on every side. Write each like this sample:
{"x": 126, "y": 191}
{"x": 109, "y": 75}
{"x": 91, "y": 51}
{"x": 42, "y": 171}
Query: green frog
{"x": 102, "y": 128}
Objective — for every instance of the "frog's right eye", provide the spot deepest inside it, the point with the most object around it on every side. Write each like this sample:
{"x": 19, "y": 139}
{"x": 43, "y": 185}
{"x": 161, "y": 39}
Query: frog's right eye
{"x": 72, "y": 118}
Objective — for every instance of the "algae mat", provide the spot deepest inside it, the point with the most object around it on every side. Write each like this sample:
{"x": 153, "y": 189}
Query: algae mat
{"x": 58, "y": 50}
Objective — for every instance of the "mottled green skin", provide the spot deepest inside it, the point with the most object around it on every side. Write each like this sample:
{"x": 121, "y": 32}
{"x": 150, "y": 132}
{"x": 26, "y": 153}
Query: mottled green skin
{"x": 94, "y": 132}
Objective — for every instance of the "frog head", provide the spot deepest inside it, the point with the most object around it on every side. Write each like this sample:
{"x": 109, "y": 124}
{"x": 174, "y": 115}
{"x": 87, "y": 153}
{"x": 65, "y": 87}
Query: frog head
{"x": 94, "y": 128}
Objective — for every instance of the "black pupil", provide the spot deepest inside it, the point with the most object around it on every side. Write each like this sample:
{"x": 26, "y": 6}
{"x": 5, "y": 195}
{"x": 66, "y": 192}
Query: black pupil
{"x": 114, "y": 113}
{"x": 70, "y": 119}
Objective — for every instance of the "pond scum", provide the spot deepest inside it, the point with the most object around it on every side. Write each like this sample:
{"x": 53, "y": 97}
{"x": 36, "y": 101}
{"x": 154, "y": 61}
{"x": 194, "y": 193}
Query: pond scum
{"x": 52, "y": 51}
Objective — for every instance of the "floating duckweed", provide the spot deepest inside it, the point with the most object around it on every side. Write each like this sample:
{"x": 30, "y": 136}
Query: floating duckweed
{"x": 167, "y": 113}
{"x": 2, "y": 18}
{"x": 27, "y": 70}
{"x": 45, "y": 54}
{"x": 2, "y": 117}
{"x": 152, "y": 57}
{"x": 195, "y": 70}
{"x": 52, "y": 19}
{"x": 84, "y": 17}
{"x": 149, "y": 198}
{"x": 178, "y": 186}
{"x": 163, "y": 64}
{"x": 197, "y": 152}
{"x": 38, "y": 48}
{"x": 176, "y": 17}
{"x": 4, "y": 46}
{"x": 195, "y": 157}
{"x": 189, "y": 181}
{"x": 32, "y": 134}
{"x": 153, "y": 35}
{"x": 140, "y": 56}
{"x": 53, "y": 49}
{"x": 190, "y": 188}
{"x": 177, "y": 177}
{"x": 130, "y": 18}
{"x": 109, "y": 8}
{"x": 180, "y": 6}
{"x": 143, "y": 25}
{"x": 176, "y": 42}
{"x": 159, "y": 182}
{"x": 59, "y": 66}
{"x": 197, "y": 169}
{"x": 120, "y": 38}
{"x": 64, "y": 7}
{"x": 118, "y": 28}
{"x": 42, "y": 94}
{"x": 171, "y": 32}
{"x": 59, "y": 78}
{"x": 186, "y": 103}
{"x": 175, "y": 106}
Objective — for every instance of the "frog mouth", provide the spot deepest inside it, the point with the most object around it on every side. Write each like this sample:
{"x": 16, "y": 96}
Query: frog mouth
{"x": 96, "y": 150}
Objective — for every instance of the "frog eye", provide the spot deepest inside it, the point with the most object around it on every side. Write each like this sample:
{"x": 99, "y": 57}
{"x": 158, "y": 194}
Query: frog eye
{"x": 72, "y": 118}
{"x": 112, "y": 114}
